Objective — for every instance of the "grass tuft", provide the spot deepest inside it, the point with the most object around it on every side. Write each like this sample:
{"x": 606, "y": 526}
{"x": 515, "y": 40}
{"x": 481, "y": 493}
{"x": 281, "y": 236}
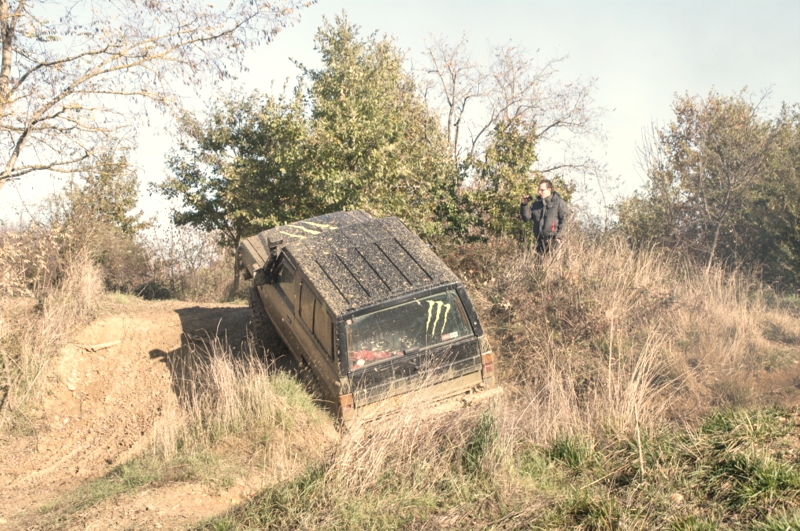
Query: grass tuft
{"x": 778, "y": 522}
{"x": 693, "y": 523}
{"x": 750, "y": 479}
{"x": 575, "y": 451}
{"x": 482, "y": 439}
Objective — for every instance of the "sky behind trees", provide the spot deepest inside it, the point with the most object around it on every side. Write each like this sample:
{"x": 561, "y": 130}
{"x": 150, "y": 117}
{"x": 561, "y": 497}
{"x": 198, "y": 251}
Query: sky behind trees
{"x": 640, "y": 53}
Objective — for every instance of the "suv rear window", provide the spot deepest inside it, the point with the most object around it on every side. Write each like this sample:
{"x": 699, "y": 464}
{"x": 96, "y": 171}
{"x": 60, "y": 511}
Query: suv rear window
{"x": 416, "y": 324}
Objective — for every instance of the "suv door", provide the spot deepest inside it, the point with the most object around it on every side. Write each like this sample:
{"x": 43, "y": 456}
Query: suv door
{"x": 315, "y": 329}
{"x": 280, "y": 300}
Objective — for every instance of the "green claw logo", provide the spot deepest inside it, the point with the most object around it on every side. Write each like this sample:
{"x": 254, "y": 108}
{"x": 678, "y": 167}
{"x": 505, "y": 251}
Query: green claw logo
{"x": 439, "y": 305}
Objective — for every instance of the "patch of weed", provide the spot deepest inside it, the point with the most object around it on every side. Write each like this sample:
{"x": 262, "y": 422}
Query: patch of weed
{"x": 532, "y": 462}
{"x": 731, "y": 428}
{"x": 779, "y": 334}
{"x": 732, "y": 392}
{"x": 598, "y": 513}
{"x": 134, "y": 475}
{"x": 778, "y": 522}
{"x": 480, "y": 441}
{"x": 747, "y": 479}
{"x": 575, "y": 451}
{"x": 123, "y": 478}
{"x": 692, "y": 523}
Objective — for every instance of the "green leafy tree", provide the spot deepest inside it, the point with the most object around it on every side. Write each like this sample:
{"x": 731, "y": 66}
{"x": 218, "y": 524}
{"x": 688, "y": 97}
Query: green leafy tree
{"x": 358, "y": 137}
{"x": 97, "y": 212}
{"x": 769, "y": 225}
{"x": 240, "y": 170}
{"x": 106, "y": 193}
{"x": 722, "y": 184}
{"x": 375, "y": 145}
{"x": 501, "y": 177}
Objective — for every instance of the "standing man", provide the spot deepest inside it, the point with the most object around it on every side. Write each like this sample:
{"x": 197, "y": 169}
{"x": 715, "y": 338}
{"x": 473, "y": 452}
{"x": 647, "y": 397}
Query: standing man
{"x": 549, "y": 216}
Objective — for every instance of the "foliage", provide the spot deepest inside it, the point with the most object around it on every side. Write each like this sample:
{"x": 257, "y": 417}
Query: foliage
{"x": 240, "y": 170}
{"x": 96, "y": 213}
{"x": 358, "y": 133}
{"x": 376, "y": 147}
{"x": 500, "y": 118}
{"x": 773, "y": 211}
{"x": 75, "y": 74}
{"x": 501, "y": 177}
{"x": 359, "y": 138}
{"x": 722, "y": 183}
{"x": 107, "y": 194}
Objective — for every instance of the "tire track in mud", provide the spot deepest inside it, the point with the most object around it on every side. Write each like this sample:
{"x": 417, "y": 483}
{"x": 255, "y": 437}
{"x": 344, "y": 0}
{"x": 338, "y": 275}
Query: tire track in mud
{"x": 104, "y": 404}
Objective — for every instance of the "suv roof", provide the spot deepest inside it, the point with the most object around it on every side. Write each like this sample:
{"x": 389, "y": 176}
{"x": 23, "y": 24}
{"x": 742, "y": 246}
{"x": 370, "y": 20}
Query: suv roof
{"x": 354, "y": 260}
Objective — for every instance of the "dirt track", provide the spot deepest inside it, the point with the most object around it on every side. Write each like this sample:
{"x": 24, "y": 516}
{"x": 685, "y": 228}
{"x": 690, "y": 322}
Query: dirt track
{"x": 102, "y": 411}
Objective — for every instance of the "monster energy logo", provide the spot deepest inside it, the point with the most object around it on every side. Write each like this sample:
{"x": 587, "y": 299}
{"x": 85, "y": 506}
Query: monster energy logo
{"x": 307, "y": 230}
{"x": 319, "y": 225}
{"x": 438, "y": 305}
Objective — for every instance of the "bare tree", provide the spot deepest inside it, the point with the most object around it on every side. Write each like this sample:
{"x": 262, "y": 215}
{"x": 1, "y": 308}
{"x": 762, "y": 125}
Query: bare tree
{"x": 512, "y": 87}
{"x": 74, "y": 73}
{"x": 704, "y": 163}
{"x": 457, "y": 80}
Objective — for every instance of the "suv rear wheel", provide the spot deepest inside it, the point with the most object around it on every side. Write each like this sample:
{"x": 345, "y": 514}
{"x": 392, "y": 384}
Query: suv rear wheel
{"x": 263, "y": 330}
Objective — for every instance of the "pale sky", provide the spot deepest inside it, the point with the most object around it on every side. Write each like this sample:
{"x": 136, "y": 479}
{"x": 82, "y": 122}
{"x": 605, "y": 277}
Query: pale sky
{"x": 640, "y": 52}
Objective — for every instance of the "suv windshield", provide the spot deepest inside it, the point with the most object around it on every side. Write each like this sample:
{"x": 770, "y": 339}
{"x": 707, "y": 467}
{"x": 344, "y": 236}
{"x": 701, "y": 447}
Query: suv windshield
{"x": 412, "y": 325}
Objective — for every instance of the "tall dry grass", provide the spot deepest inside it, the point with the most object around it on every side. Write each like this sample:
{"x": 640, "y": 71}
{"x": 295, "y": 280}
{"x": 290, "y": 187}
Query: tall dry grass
{"x": 240, "y": 404}
{"x": 52, "y": 277}
{"x": 600, "y": 334}
{"x": 45, "y": 294}
{"x": 185, "y": 263}
{"x": 601, "y": 350}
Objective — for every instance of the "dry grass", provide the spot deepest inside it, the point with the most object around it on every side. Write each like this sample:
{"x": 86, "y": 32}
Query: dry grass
{"x": 233, "y": 416}
{"x": 477, "y": 469}
{"x": 52, "y": 280}
{"x": 599, "y": 348}
{"x": 186, "y": 264}
{"x": 45, "y": 294}
{"x": 242, "y": 405}
{"x": 598, "y": 333}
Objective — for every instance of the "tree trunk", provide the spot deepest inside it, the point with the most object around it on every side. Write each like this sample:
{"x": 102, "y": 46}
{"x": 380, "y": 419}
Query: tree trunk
{"x": 7, "y": 27}
{"x": 713, "y": 246}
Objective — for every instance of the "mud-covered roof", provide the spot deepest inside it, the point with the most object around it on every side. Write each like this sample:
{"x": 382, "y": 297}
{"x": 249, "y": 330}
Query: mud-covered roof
{"x": 353, "y": 260}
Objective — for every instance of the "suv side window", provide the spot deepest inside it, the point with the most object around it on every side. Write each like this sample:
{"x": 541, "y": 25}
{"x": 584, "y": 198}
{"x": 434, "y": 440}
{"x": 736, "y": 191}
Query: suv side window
{"x": 315, "y": 315}
{"x": 286, "y": 284}
{"x": 307, "y": 300}
{"x": 323, "y": 328}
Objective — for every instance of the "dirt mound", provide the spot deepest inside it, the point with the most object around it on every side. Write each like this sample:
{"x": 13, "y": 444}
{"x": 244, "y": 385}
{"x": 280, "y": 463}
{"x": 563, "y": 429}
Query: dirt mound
{"x": 113, "y": 384}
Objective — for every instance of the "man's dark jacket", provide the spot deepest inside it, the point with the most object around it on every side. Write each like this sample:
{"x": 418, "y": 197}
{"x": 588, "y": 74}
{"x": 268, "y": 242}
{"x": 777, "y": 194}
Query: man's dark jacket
{"x": 549, "y": 216}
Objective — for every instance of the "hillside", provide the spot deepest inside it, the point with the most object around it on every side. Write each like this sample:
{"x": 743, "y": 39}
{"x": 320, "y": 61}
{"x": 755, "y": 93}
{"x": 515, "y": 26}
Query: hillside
{"x": 633, "y": 399}
{"x": 105, "y": 409}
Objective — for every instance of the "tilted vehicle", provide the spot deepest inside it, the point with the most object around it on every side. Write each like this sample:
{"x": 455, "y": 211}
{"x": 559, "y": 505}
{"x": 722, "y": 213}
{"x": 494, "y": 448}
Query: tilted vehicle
{"x": 369, "y": 308}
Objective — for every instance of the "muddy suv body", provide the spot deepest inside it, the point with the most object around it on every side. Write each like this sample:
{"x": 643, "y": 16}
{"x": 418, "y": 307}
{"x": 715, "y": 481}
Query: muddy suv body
{"x": 369, "y": 308}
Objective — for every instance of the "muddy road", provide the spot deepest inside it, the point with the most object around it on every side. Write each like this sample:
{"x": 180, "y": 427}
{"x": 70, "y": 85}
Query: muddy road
{"x": 101, "y": 411}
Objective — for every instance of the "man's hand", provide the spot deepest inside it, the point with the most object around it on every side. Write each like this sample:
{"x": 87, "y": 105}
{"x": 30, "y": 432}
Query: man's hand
{"x": 525, "y": 199}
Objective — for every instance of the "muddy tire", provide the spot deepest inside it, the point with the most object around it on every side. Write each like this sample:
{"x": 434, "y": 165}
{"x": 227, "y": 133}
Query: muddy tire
{"x": 267, "y": 337}
{"x": 263, "y": 330}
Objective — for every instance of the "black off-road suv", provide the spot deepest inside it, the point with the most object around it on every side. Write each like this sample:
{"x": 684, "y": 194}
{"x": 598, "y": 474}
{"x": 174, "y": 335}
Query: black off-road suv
{"x": 369, "y": 308}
